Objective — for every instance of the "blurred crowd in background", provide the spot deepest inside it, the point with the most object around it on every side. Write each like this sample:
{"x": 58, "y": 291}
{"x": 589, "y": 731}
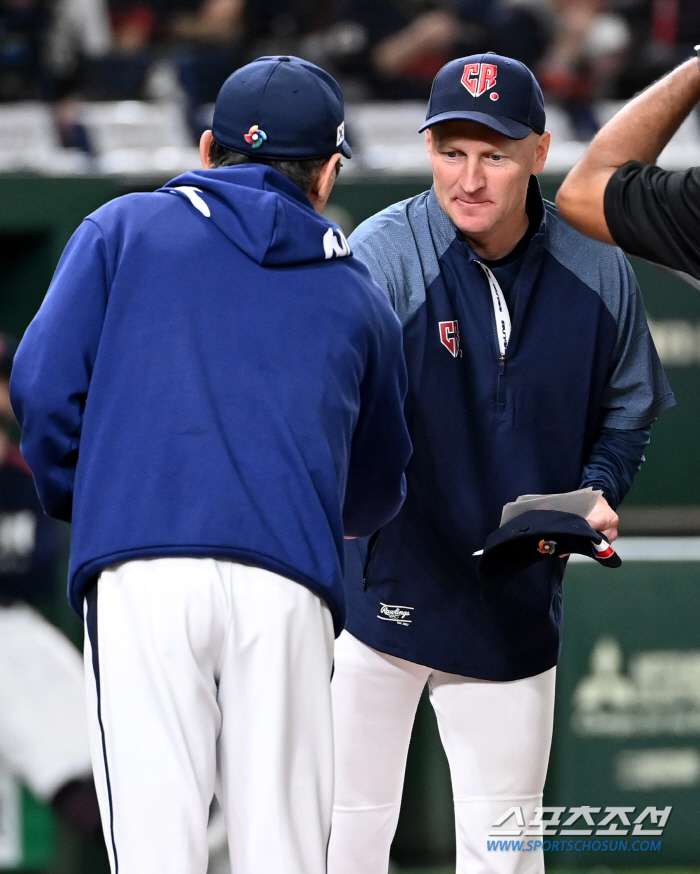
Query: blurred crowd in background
{"x": 63, "y": 51}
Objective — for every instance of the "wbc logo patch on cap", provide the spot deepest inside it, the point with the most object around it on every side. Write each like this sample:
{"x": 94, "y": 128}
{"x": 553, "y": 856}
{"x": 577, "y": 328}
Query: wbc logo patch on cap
{"x": 480, "y": 78}
{"x": 255, "y": 137}
{"x": 547, "y": 547}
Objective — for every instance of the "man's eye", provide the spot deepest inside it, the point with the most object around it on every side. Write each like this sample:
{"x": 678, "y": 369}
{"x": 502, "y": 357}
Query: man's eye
{"x": 451, "y": 154}
{"x": 496, "y": 158}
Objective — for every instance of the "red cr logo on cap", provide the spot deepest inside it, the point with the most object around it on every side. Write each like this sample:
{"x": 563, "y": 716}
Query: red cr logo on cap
{"x": 479, "y": 78}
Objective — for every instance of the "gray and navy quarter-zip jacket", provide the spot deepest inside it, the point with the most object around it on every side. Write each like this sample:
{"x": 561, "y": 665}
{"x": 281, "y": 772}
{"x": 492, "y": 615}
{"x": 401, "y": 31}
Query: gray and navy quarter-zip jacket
{"x": 213, "y": 374}
{"x": 489, "y": 425}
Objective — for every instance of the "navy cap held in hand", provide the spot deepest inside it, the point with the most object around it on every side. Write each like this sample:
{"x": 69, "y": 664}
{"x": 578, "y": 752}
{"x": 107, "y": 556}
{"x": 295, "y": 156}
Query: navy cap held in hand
{"x": 538, "y": 535}
{"x": 498, "y": 92}
{"x": 283, "y": 108}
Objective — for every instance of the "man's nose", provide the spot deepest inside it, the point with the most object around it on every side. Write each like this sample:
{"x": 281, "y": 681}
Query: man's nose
{"x": 472, "y": 177}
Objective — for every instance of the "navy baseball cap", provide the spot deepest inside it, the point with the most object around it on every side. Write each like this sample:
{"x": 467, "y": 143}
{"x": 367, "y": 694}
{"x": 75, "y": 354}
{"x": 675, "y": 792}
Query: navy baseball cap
{"x": 498, "y": 92}
{"x": 538, "y": 535}
{"x": 283, "y": 108}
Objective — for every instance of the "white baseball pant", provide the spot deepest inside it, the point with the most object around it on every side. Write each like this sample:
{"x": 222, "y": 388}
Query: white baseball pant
{"x": 206, "y": 676}
{"x": 496, "y": 736}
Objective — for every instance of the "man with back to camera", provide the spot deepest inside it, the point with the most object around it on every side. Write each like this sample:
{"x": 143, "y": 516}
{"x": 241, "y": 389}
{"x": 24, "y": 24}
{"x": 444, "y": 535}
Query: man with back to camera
{"x": 213, "y": 392}
{"x": 531, "y": 371}
{"x": 617, "y": 194}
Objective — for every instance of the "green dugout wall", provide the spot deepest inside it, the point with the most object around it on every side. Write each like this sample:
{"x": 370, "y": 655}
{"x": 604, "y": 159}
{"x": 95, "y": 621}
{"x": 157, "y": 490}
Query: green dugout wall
{"x": 27, "y": 838}
{"x": 627, "y": 732}
{"x": 627, "y": 722}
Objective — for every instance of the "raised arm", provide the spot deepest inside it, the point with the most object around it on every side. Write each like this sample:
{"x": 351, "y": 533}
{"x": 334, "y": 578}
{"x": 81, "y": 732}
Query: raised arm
{"x": 638, "y": 132}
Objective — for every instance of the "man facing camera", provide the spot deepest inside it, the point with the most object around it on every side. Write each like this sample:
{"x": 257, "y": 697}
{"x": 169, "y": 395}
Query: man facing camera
{"x": 531, "y": 371}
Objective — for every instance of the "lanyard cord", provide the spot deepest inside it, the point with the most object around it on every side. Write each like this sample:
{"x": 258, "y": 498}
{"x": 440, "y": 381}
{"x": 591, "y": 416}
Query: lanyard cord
{"x": 500, "y": 311}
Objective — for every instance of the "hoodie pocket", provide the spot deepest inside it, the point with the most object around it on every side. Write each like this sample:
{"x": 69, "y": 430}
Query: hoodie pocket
{"x": 371, "y": 546}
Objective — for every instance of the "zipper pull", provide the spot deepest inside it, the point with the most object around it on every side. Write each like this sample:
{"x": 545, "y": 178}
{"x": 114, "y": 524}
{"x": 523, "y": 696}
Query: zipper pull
{"x": 501, "y": 363}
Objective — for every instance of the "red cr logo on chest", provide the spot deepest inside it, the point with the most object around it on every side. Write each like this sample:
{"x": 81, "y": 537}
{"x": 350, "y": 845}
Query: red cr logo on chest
{"x": 449, "y": 336}
{"x": 479, "y": 78}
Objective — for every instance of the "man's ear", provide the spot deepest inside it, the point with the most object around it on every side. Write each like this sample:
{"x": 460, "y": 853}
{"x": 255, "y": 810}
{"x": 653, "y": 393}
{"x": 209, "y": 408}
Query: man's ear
{"x": 322, "y": 185}
{"x": 204, "y": 145}
{"x": 541, "y": 152}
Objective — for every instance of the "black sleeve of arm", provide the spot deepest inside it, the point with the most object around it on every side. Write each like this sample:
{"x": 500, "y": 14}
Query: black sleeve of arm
{"x": 655, "y": 214}
{"x": 614, "y": 460}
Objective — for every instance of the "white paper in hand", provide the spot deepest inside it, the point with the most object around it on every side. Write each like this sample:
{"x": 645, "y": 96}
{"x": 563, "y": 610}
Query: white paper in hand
{"x": 581, "y": 503}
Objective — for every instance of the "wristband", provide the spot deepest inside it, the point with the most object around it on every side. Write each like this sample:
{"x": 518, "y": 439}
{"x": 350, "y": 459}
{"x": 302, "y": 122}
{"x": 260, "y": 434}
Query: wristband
{"x": 696, "y": 49}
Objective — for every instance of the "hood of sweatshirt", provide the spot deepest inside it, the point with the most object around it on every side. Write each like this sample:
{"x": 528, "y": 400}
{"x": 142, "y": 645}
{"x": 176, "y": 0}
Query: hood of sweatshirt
{"x": 261, "y": 212}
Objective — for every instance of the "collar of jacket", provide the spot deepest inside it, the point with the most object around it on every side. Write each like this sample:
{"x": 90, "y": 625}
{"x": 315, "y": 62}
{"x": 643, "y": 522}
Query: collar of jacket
{"x": 444, "y": 229}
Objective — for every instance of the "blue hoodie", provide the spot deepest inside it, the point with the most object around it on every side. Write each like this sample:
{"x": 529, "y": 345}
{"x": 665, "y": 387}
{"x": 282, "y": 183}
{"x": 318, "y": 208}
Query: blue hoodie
{"x": 213, "y": 374}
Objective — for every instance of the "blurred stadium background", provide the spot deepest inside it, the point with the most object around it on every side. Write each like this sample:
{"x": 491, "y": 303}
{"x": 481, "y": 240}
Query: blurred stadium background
{"x": 102, "y": 97}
